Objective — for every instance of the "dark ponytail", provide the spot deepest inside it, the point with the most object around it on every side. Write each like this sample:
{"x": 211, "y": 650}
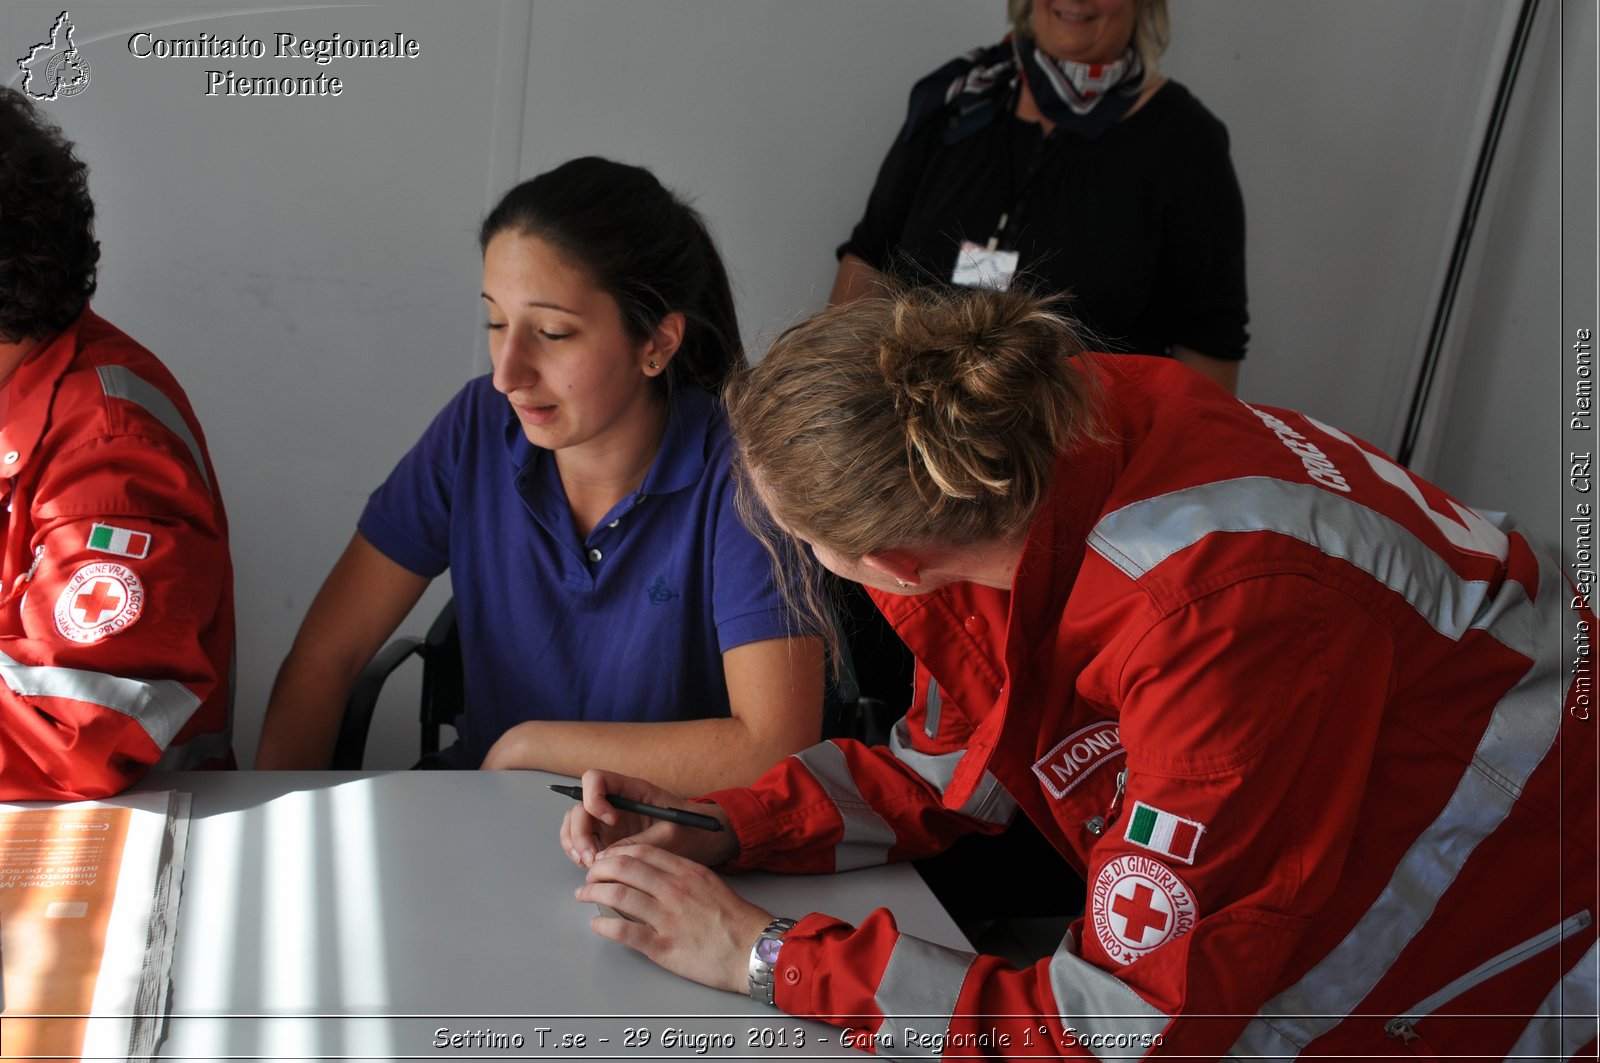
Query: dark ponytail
{"x": 645, "y": 247}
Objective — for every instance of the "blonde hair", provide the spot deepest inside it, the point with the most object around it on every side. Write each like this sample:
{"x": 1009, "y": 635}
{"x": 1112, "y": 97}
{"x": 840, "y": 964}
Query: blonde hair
{"x": 1151, "y": 29}
{"x": 921, "y": 417}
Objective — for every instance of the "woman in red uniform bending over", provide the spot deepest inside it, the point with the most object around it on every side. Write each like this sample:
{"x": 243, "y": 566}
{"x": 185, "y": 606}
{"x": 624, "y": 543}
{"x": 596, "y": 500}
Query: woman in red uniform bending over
{"x": 1302, "y": 720}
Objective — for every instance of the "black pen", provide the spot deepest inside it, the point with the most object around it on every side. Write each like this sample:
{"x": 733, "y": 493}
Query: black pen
{"x": 671, "y": 815}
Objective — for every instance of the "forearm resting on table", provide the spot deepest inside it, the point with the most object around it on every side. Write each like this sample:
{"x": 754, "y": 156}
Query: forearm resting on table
{"x": 774, "y": 687}
{"x": 685, "y": 756}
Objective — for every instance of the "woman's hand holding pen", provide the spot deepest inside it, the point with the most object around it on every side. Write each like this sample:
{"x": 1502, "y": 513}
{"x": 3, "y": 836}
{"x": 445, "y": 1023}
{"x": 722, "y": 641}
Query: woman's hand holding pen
{"x": 677, "y": 912}
{"x": 589, "y": 829}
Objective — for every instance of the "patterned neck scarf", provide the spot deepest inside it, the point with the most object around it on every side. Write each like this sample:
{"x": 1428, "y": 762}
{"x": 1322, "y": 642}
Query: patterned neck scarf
{"x": 973, "y": 90}
{"x": 1087, "y": 98}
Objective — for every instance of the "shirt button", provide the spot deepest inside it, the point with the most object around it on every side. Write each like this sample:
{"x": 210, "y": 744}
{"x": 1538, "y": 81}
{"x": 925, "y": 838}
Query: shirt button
{"x": 791, "y": 975}
{"x": 11, "y": 457}
{"x": 595, "y": 555}
{"x": 614, "y": 523}
{"x": 976, "y": 625}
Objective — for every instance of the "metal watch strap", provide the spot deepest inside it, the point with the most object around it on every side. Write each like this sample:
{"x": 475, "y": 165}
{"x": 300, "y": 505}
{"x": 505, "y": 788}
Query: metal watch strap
{"x": 763, "y": 955}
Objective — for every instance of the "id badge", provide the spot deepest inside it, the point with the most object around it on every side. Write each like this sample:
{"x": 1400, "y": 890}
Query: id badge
{"x": 979, "y": 267}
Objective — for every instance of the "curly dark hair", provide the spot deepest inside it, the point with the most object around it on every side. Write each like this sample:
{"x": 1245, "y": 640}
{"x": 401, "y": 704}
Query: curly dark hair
{"x": 48, "y": 253}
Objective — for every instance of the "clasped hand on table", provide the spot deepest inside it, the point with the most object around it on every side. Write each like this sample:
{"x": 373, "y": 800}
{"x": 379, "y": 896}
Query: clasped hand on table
{"x": 679, "y": 913}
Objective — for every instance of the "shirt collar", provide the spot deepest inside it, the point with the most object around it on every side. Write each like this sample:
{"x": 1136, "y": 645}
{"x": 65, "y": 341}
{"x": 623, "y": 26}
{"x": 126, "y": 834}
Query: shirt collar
{"x": 30, "y": 392}
{"x": 681, "y": 460}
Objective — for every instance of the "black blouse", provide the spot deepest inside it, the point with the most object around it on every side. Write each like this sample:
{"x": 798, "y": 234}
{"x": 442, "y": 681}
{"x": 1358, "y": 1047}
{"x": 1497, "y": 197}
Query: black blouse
{"x": 1143, "y": 227}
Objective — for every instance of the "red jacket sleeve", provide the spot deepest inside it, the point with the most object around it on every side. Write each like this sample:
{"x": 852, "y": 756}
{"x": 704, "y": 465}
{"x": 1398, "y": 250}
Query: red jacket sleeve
{"x": 842, "y": 805}
{"x": 101, "y": 643}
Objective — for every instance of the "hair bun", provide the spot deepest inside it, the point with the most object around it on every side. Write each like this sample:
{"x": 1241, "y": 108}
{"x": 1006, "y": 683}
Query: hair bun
{"x": 967, "y": 374}
{"x": 913, "y": 417}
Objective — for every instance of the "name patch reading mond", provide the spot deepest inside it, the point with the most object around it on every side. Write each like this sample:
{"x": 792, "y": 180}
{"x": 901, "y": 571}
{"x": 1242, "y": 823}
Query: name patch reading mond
{"x": 1077, "y": 756}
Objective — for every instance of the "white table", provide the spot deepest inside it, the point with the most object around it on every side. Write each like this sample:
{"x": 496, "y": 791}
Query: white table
{"x": 429, "y": 915}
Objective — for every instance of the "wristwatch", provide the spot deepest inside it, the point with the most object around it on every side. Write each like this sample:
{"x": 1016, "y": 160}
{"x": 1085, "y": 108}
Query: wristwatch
{"x": 763, "y": 955}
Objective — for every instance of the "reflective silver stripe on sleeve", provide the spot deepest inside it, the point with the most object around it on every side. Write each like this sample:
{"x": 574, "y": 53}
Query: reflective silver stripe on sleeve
{"x": 1095, "y": 1002}
{"x": 1566, "y": 1019}
{"x": 216, "y": 745}
{"x": 120, "y": 382}
{"x": 867, "y": 838}
{"x": 1138, "y": 537}
{"x": 1520, "y": 732}
{"x": 199, "y": 749}
{"x": 990, "y": 801}
{"x": 917, "y": 994}
{"x": 935, "y": 703}
{"x": 160, "y": 706}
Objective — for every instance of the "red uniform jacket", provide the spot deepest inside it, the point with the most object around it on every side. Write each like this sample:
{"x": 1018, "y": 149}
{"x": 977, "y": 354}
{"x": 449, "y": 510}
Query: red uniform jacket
{"x": 116, "y": 621}
{"x": 1308, "y": 727}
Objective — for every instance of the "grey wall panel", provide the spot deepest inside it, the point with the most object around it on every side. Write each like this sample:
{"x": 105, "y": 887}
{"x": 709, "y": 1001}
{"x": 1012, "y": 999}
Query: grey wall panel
{"x": 773, "y": 117}
{"x": 1353, "y": 125}
{"x": 1499, "y": 440}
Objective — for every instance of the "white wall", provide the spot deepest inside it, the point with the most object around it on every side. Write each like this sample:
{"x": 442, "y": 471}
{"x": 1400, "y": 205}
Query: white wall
{"x": 1353, "y": 130}
{"x": 307, "y": 267}
{"x": 1500, "y": 445}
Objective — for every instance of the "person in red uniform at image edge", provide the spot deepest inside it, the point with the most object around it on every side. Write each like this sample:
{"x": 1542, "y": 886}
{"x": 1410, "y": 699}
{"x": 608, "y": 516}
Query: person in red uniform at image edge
{"x": 1302, "y": 721}
{"x": 116, "y": 621}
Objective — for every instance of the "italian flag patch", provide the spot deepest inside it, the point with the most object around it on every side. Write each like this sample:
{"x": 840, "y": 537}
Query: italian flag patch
{"x": 1163, "y": 832}
{"x": 124, "y": 542}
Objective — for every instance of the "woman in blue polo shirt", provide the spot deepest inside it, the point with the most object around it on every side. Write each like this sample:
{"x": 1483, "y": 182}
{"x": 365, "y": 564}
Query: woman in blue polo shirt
{"x": 580, "y": 496}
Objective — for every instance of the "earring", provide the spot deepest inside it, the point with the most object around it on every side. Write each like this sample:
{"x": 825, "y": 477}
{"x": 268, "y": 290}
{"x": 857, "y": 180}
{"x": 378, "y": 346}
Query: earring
{"x": 654, "y": 366}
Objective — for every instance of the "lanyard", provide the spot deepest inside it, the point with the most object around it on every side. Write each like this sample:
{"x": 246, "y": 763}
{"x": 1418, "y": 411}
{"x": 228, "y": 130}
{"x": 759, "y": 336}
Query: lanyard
{"x": 1018, "y": 194}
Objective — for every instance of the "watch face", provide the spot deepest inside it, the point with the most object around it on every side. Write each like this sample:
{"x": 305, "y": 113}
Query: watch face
{"x": 767, "y": 950}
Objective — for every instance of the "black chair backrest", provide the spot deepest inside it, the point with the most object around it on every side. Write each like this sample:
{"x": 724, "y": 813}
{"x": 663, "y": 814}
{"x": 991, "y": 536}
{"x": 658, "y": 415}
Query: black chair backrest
{"x": 444, "y": 679}
{"x": 443, "y": 688}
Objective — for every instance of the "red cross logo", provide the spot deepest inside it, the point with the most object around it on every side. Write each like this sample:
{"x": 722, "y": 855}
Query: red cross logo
{"x": 1139, "y": 913}
{"x": 96, "y": 602}
{"x": 1137, "y": 905}
{"x": 101, "y": 599}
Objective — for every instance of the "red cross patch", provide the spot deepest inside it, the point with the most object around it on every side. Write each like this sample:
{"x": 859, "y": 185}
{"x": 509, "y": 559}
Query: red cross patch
{"x": 1138, "y": 905}
{"x": 101, "y": 599}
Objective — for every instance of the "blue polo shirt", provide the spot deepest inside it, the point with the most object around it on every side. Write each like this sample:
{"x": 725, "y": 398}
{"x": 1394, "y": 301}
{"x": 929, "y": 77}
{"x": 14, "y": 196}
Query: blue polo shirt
{"x": 628, "y": 624}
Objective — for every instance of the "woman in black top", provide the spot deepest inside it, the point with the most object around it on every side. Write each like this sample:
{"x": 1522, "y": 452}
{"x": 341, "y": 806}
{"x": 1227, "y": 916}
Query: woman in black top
{"x": 1063, "y": 145}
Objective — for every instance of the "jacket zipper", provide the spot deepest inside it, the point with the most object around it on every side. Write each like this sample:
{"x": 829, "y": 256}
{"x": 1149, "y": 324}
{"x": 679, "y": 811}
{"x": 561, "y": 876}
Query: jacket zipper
{"x": 1403, "y": 1027}
{"x": 27, "y": 577}
{"x": 1096, "y": 825}
{"x": 1116, "y": 799}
